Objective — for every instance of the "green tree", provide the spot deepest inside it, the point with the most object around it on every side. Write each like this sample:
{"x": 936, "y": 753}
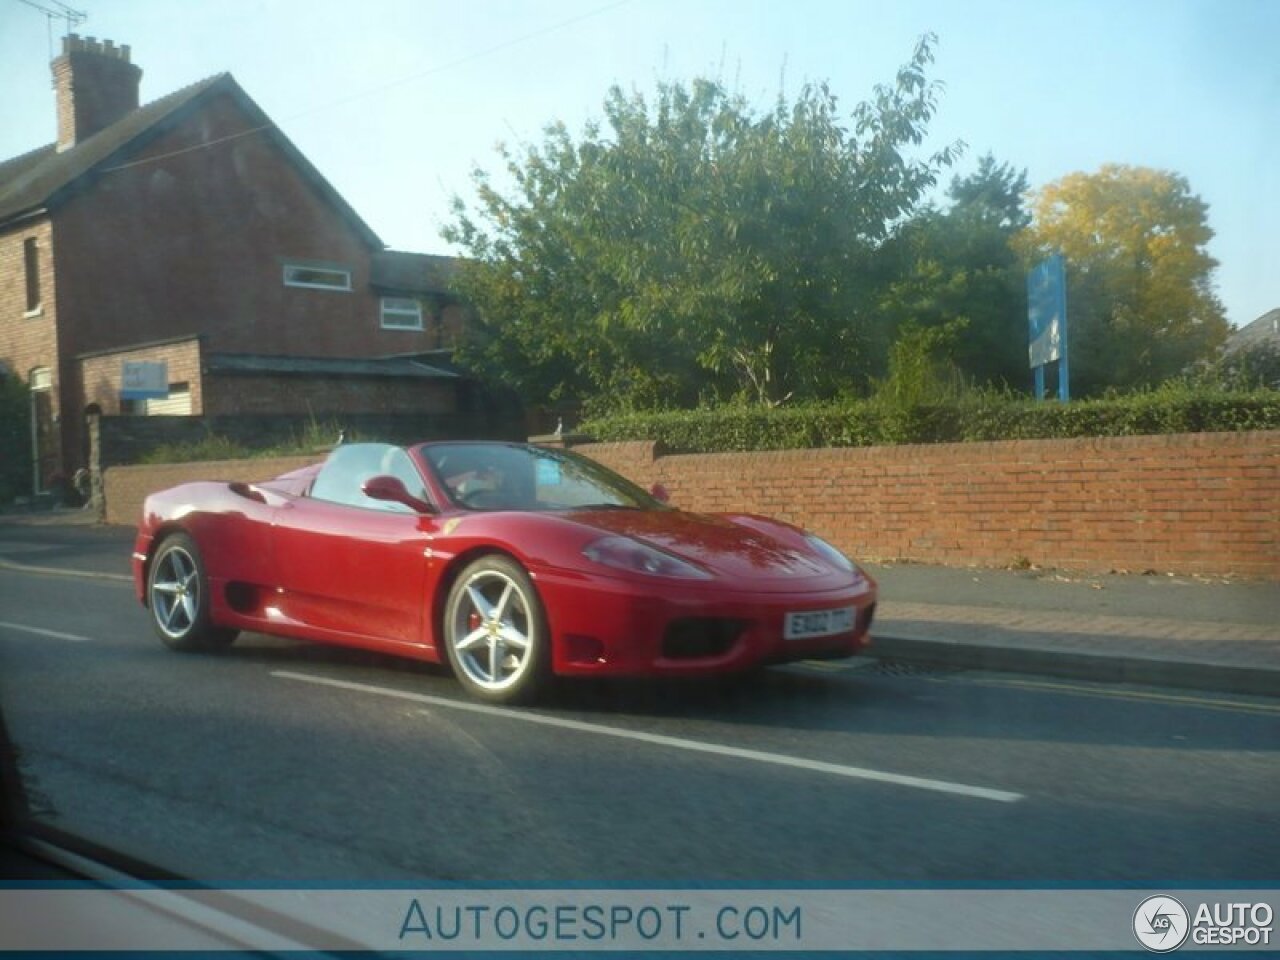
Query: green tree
{"x": 956, "y": 266}
{"x": 692, "y": 248}
{"x": 1140, "y": 297}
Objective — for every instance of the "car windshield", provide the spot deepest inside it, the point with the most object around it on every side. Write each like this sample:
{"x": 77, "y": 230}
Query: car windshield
{"x": 503, "y": 476}
{"x": 342, "y": 478}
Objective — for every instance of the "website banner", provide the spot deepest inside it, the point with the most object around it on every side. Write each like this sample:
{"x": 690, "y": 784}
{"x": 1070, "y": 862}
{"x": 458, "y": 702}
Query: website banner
{"x": 581, "y": 920}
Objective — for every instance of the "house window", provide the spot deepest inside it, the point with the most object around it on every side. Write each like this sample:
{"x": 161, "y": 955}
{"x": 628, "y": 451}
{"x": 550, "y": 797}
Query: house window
{"x": 401, "y": 313}
{"x": 316, "y": 278}
{"x": 41, "y": 379}
{"x": 177, "y": 404}
{"x": 31, "y": 260}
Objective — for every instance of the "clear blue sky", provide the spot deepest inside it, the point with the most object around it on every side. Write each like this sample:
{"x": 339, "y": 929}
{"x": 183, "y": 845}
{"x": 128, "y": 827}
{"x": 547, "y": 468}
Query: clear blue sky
{"x": 396, "y": 100}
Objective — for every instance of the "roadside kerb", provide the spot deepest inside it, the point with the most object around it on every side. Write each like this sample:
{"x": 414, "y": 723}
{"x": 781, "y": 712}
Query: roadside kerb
{"x": 1079, "y": 665}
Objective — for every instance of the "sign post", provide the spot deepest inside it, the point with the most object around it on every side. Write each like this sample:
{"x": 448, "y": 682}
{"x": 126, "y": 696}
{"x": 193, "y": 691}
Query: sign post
{"x": 1047, "y": 322}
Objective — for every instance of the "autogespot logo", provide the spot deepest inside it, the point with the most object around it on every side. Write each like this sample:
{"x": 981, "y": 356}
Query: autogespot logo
{"x": 1161, "y": 924}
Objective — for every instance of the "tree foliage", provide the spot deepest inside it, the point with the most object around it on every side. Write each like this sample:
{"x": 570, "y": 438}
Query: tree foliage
{"x": 957, "y": 267}
{"x": 1140, "y": 296}
{"x": 689, "y": 248}
{"x": 974, "y": 415}
{"x": 1256, "y": 366}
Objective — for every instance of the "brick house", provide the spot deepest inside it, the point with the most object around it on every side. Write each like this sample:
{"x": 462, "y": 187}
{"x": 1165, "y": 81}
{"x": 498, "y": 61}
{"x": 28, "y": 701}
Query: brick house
{"x": 191, "y": 231}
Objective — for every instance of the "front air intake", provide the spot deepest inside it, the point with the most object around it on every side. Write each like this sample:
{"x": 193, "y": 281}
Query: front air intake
{"x": 700, "y": 638}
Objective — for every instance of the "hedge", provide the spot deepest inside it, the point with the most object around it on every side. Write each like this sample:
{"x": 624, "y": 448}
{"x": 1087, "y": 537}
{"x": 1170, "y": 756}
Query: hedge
{"x": 973, "y": 417}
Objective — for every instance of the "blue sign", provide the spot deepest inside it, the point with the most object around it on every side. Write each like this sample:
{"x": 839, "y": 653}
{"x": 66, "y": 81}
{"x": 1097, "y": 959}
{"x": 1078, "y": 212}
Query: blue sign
{"x": 143, "y": 380}
{"x": 1047, "y": 321}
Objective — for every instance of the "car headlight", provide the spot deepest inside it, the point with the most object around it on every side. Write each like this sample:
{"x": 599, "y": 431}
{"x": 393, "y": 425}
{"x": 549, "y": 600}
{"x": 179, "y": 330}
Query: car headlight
{"x": 623, "y": 553}
{"x": 832, "y": 555}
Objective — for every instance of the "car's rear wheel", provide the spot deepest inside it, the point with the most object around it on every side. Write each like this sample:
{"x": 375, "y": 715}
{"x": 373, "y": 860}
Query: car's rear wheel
{"x": 178, "y": 597}
{"x": 495, "y": 632}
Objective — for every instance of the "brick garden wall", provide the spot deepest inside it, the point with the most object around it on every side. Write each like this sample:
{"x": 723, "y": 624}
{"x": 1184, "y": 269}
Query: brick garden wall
{"x": 123, "y": 440}
{"x": 1189, "y": 503}
{"x": 127, "y": 487}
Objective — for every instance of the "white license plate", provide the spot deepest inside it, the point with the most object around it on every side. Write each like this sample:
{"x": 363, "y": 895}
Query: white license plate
{"x": 818, "y": 623}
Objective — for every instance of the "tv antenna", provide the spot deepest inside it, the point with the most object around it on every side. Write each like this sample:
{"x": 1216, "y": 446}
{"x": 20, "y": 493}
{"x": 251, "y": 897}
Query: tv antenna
{"x": 56, "y": 10}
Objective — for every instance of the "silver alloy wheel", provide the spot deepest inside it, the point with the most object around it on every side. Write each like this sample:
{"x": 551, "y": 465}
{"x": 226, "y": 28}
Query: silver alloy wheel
{"x": 175, "y": 592}
{"x": 491, "y": 631}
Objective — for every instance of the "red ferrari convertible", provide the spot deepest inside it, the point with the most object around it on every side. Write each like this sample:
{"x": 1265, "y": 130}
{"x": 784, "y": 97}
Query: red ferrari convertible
{"x": 510, "y": 562}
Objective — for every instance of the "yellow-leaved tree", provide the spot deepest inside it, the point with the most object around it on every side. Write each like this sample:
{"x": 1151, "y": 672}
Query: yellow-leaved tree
{"x": 1140, "y": 299}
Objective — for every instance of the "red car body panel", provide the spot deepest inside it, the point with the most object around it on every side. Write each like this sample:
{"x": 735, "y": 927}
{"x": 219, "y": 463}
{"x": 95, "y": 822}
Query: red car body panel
{"x": 280, "y": 562}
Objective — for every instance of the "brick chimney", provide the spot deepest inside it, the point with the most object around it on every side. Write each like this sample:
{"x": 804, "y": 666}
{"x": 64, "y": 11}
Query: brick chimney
{"x": 95, "y": 85}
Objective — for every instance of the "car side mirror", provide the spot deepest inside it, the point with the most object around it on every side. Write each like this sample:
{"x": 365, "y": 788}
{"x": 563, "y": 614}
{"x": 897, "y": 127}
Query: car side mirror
{"x": 393, "y": 489}
{"x": 659, "y": 493}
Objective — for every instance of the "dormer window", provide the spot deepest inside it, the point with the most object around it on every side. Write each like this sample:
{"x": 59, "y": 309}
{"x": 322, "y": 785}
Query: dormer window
{"x": 316, "y": 276}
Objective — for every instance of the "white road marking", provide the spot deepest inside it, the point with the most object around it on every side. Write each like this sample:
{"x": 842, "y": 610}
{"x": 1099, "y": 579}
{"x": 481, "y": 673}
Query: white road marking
{"x": 678, "y": 743}
{"x": 42, "y": 632}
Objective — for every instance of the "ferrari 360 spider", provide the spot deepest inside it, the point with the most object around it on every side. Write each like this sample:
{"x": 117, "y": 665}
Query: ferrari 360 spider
{"x": 511, "y": 563}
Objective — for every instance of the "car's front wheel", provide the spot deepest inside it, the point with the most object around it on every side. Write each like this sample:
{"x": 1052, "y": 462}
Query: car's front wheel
{"x": 178, "y": 597}
{"x": 495, "y": 632}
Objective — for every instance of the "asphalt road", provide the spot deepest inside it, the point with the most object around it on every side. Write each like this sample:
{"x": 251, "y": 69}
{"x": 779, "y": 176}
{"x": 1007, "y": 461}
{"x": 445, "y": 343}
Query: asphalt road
{"x": 278, "y": 761}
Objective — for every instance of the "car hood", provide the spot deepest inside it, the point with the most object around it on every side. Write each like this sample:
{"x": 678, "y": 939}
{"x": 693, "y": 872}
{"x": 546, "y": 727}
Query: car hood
{"x": 716, "y": 544}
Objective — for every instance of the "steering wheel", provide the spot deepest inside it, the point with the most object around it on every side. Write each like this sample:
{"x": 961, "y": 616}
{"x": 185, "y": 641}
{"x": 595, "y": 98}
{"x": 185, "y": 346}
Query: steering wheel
{"x": 483, "y": 499}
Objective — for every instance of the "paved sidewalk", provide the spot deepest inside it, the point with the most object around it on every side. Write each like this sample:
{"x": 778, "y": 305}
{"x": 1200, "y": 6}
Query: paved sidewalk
{"x": 1201, "y": 633}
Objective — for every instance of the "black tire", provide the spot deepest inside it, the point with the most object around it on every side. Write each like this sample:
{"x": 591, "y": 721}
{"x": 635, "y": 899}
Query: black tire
{"x": 178, "y": 597}
{"x": 481, "y": 644}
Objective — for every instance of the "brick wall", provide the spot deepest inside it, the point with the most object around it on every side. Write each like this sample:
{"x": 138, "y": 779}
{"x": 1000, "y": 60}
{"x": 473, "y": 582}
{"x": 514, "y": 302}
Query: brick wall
{"x": 127, "y": 487}
{"x": 195, "y": 243}
{"x": 446, "y": 325}
{"x": 101, "y": 375}
{"x": 254, "y": 394}
{"x": 1189, "y": 503}
{"x": 29, "y": 338}
{"x": 124, "y": 440}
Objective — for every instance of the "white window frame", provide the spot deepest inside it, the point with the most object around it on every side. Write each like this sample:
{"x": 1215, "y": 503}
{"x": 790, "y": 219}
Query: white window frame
{"x": 343, "y": 286}
{"x": 176, "y": 404}
{"x": 401, "y": 311}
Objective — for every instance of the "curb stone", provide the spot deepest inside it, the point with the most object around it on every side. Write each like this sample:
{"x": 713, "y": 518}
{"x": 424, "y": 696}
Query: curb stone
{"x": 1077, "y": 665}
